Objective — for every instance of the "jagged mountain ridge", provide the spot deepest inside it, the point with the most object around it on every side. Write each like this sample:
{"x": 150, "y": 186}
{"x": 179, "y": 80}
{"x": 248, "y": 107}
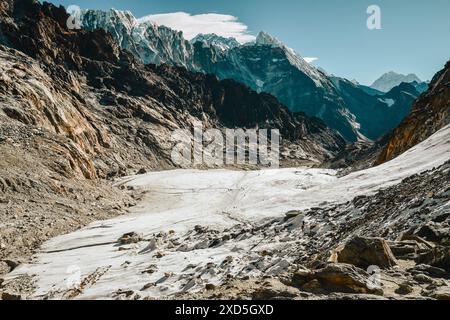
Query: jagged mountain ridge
{"x": 147, "y": 41}
{"x": 266, "y": 65}
{"x": 216, "y": 41}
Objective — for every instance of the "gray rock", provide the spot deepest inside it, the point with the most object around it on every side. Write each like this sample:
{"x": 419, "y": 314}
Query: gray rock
{"x": 436, "y": 257}
{"x": 427, "y": 270}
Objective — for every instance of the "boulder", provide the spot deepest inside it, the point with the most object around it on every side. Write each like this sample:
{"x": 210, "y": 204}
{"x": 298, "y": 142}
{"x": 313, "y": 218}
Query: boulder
{"x": 436, "y": 257}
{"x": 274, "y": 289}
{"x": 407, "y": 249}
{"x": 427, "y": 270}
{"x": 338, "y": 277}
{"x": 366, "y": 252}
{"x": 142, "y": 171}
{"x": 129, "y": 238}
{"x": 434, "y": 232}
{"x": 442, "y": 293}
{"x": 292, "y": 214}
{"x": 8, "y": 265}
{"x": 10, "y": 296}
{"x": 404, "y": 288}
{"x": 423, "y": 279}
{"x": 411, "y": 237}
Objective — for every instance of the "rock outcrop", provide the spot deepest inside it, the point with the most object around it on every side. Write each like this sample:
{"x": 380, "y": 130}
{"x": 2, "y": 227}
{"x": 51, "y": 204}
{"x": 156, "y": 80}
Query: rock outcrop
{"x": 365, "y": 252}
{"x": 340, "y": 277}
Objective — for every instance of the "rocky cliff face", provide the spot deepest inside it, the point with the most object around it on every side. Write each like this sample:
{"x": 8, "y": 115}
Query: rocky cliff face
{"x": 429, "y": 113}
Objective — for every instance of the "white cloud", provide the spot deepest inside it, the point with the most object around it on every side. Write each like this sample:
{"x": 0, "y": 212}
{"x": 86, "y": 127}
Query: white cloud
{"x": 192, "y": 25}
{"x": 310, "y": 59}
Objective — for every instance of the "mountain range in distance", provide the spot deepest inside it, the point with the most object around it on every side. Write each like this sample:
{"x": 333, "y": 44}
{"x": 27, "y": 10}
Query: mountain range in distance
{"x": 392, "y": 79}
{"x": 357, "y": 112}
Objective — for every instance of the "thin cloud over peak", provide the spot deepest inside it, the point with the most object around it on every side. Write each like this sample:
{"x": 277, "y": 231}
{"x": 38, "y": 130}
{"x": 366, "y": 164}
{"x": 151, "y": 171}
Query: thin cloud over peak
{"x": 227, "y": 26}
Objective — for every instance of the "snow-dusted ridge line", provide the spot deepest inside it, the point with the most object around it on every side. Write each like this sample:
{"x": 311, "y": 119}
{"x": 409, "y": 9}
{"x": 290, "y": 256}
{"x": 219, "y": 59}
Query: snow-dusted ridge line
{"x": 181, "y": 199}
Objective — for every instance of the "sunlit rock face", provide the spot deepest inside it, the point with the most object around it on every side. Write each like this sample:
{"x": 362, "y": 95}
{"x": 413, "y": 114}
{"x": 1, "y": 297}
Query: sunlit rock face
{"x": 429, "y": 113}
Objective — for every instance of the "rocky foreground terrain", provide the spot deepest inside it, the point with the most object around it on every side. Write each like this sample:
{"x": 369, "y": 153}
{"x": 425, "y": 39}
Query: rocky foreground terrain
{"x": 406, "y": 235}
{"x": 78, "y": 114}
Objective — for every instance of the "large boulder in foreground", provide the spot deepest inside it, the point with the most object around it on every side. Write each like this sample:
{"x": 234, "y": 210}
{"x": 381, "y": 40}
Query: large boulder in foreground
{"x": 365, "y": 252}
{"x": 437, "y": 257}
{"x": 336, "y": 277}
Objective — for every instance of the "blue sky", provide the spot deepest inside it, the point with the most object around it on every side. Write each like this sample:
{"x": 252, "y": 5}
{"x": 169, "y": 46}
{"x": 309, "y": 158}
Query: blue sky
{"x": 414, "y": 37}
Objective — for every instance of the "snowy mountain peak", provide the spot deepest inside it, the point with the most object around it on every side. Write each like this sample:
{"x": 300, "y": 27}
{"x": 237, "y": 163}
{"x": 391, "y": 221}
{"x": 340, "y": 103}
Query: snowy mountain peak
{"x": 145, "y": 39}
{"x": 264, "y": 38}
{"x": 392, "y": 79}
{"x": 99, "y": 18}
{"x": 214, "y": 40}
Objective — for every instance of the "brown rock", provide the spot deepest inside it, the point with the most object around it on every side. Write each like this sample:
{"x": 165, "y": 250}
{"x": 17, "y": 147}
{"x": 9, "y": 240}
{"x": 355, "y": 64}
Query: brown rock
{"x": 129, "y": 238}
{"x": 404, "y": 288}
{"x": 366, "y": 252}
{"x": 338, "y": 277}
{"x": 421, "y": 278}
{"x": 10, "y": 296}
{"x": 442, "y": 293}
{"x": 210, "y": 286}
{"x": 274, "y": 289}
{"x": 428, "y": 270}
{"x": 292, "y": 214}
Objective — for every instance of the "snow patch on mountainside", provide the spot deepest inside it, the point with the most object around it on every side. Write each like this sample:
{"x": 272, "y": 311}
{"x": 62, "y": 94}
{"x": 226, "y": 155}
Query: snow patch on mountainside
{"x": 216, "y": 41}
{"x": 389, "y": 102}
